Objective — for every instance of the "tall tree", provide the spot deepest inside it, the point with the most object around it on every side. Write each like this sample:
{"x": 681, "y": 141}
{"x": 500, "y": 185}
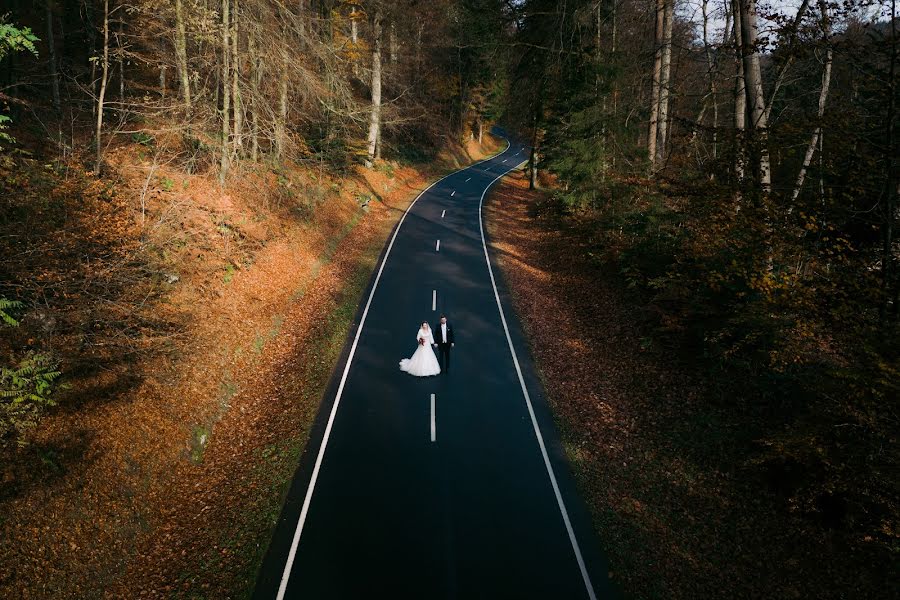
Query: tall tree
{"x": 225, "y": 78}
{"x": 51, "y": 47}
{"x": 656, "y": 83}
{"x": 101, "y": 97}
{"x": 181, "y": 60}
{"x": 375, "y": 111}
{"x": 665, "y": 84}
{"x": 823, "y": 97}
{"x": 753, "y": 86}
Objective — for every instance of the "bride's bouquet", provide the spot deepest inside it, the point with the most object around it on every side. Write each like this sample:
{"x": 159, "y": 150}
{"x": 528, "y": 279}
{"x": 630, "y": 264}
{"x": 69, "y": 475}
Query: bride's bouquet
{"x": 421, "y": 341}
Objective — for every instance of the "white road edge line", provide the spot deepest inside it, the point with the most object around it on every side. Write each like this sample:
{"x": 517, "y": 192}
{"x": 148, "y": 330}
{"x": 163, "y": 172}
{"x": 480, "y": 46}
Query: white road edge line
{"x": 534, "y": 423}
{"x": 304, "y": 511}
{"x": 433, "y": 432}
{"x": 437, "y": 247}
{"x": 443, "y": 212}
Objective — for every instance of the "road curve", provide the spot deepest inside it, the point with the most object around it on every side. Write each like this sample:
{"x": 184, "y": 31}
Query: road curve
{"x": 452, "y": 486}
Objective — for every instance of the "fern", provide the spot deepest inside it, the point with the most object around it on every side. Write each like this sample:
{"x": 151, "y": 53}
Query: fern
{"x": 13, "y": 39}
{"x": 26, "y": 391}
{"x": 5, "y": 306}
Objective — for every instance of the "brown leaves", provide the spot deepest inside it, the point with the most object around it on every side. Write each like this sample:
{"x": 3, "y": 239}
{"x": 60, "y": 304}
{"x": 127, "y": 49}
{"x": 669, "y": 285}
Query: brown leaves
{"x": 659, "y": 456}
{"x": 110, "y": 472}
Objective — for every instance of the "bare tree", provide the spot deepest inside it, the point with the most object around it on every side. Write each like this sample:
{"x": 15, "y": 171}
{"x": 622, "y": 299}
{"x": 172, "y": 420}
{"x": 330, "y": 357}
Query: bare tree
{"x": 756, "y": 104}
{"x": 104, "y": 79}
{"x": 823, "y": 97}
{"x": 255, "y": 80}
{"x": 51, "y": 46}
{"x": 785, "y": 67}
{"x": 889, "y": 193}
{"x": 740, "y": 96}
{"x": 120, "y": 62}
{"x": 281, "y": 122}
{"x": 711, "y": 77}
{"x": 237, "y": 108}
{"x": 656, "y": 84}
{"x": 375, "y": 114}
{"x": 226, "y": 91}
{"x": 181, "y": 54}
{"x": 665, "y": 84}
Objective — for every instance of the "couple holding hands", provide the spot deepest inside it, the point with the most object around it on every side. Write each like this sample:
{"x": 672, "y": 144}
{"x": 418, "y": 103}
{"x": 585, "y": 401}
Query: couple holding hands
{"x": 423, "y": 362}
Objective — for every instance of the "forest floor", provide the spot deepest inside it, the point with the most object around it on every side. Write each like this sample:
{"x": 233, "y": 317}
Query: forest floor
{"x": 197, "y": 328}
{"x": 663, "y": 467}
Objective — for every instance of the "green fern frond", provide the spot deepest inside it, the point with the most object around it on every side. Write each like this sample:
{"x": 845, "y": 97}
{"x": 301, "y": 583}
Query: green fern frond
{"x": 7, "y": 305}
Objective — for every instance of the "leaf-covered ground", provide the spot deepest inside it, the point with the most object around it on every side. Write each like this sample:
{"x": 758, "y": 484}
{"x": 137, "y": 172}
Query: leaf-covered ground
{"x": 194, "y": 382}
{"x": 661, "y": 460}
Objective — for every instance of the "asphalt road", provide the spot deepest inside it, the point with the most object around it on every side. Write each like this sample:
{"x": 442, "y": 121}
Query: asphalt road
{"x": 469, "y": 499}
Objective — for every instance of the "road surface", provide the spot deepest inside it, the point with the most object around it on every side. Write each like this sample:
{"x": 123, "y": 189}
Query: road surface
{"x": 452, "y": 486}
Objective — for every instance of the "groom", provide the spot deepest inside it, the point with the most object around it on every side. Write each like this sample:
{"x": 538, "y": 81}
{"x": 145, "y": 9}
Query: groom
{"x": 443, "y": 337}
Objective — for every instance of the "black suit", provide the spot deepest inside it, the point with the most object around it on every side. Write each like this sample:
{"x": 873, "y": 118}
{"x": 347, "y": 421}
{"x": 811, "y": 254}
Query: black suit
{"x": 444, "y": 345}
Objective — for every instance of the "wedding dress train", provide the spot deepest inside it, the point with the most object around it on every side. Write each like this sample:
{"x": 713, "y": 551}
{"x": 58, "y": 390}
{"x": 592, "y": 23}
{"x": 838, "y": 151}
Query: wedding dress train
{"x": 423, "y": 362}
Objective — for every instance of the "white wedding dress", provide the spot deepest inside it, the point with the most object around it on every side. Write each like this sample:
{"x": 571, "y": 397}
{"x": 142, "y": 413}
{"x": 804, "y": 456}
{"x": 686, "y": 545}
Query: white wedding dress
{"x": 423, "y": 363}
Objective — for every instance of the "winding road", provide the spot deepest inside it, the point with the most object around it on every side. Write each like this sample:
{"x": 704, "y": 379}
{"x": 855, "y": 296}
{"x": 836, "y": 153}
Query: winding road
{"x": 453, "y": 486}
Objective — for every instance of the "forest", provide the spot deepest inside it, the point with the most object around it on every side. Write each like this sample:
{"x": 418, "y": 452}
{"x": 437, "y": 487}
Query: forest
{"x": 177, "y": 176}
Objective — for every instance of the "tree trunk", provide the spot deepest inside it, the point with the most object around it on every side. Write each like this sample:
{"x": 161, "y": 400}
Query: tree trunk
{"x": 301, "y": 18}
{"x": 533, "y": 182}
{"x": 226, "y": 90}
{"x": 480, "y": 131}
{"x": 393, "y": 45}
{"x": 255, "y": 79}
{"x": 615, "y": 59}
{"x": 657, "y": 75}
{"x": 792, "y": 34}
{"x": 103, "y": 81}
{"x": 281, "y": 123}
{"x": 823, "y": 96}
{"x": 237, "y": 107}
{"x": 375, "y": 115}
{"x": 665, "y": 85}
{"x": 181, "y": 54}
{"x": 162, "y": 80}
{"x": 755, "y": 101}
{"x": 740, "y": 98}
{"x": 419, "y": 50}
{"x": 354, "y": 27}
{"x": 51, "y": 46}
{"x": 711, "y": 75}
{"x": 889, "y": 211}
{"x": 120, "y": 59}
{"x": 92, "y": 36}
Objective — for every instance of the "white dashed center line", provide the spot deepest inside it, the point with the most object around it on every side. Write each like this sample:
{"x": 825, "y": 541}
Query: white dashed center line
{"x": 433, "y": 299}
{"x": 443, "y": 212}
{"x": 453, "y": 193}
{"x": 437, "y": 247}
{"x": 433, "y": 424}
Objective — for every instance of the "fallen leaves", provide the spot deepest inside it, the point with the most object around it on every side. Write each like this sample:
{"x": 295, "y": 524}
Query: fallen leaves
{"x": 106, "y": 500}
{"x": 676, "y": 513}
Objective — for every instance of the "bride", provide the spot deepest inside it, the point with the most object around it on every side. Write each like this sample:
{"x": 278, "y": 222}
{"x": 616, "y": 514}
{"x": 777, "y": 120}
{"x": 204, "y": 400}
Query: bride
{"x": 423, "y": 363}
